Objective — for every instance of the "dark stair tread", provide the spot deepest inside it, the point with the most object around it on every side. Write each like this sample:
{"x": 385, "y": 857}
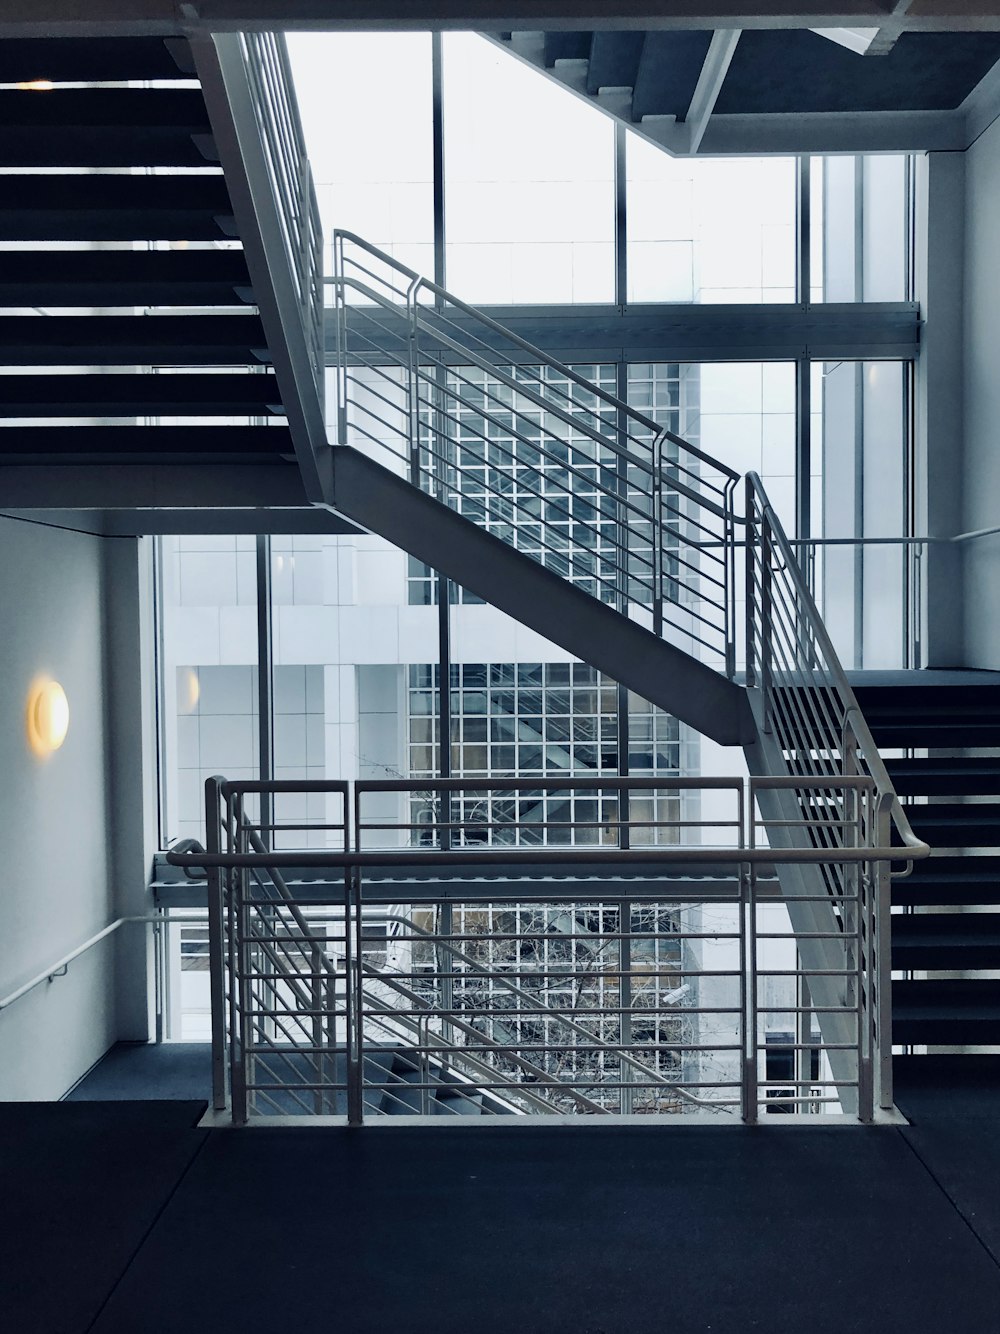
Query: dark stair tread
{"x": 946, "y": 776}
{"x": 91, "y": 59}
{"x": 128, "y": 340}
{"x": 949, "y": 880}
{"x": 102, "y": 108}
{"x": 121, "y": 145}
{"x": 949, "y": 928}
{"x": 951, "y": 824}
{"x": 189, "y": 206}
{"x": 944, "y": 998}
{"x": 234, "y": 394}
{"x": 123, "y": 277}
{"x": 33, "y": 444}
{"x": 946, "y": 941}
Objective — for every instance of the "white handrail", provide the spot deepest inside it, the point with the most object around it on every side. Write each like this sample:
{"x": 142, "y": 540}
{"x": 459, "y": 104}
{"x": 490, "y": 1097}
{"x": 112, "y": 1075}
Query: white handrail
{"x": 59, "y": 967}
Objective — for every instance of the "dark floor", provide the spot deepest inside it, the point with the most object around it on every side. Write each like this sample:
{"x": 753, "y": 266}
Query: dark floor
{"x": 124, "y": 1217}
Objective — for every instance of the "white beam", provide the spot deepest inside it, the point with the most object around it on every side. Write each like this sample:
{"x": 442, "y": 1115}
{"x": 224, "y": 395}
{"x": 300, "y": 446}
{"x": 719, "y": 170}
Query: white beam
{"x": 709, "y": 85}
{"x": 857, "y": 40}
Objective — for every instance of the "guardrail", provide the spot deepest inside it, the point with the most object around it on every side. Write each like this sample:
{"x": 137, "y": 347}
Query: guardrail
{"x": 812, "y": 727}
{"x": 652, "y": 1000}
{"x": 529, "y": 448}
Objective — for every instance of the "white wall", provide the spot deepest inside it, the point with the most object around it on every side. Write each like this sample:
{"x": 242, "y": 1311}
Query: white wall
{"x": 981, "y": 498}
{"x": 54, "y": 881}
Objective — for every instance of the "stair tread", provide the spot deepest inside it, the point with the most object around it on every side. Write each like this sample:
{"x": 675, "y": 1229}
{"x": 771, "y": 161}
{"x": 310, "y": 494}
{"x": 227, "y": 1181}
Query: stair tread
{"x": 190, "y": 206}
{"x": 103, "y": 108}
{"x": 118, "y": 146}
{"x": 123, "y": 340}
{"x": 955, "y": 928}
{"x": 123, "y": 277}
{"x": 135, "y": 395}
{"x": 88, "y": 59}
{"x": 32, "y": 443}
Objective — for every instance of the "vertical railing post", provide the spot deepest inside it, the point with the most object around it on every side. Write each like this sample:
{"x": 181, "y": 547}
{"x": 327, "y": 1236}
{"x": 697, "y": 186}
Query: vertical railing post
{"x": 240, "y": 993}
{"x": 216, "y": 942}
{"x": 413, "y": 372}
{"x": 657, "y": 535}
{"x": 748, "y": 989}
{"x": 626, "y": 1067}
{"x": 766, "y": 611}
{"x": 729, "y": 579}
{"x": 354, "y": 998}
{"x": 316, "y": 991}
{"x": 750, "y": 613}
{"x": 881, "y": 948}
{"x": 340, "y": 301}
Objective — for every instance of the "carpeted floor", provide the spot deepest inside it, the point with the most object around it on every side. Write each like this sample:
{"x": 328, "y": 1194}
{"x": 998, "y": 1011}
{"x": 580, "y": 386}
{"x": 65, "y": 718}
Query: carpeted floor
{"x": 127, "y": 1218}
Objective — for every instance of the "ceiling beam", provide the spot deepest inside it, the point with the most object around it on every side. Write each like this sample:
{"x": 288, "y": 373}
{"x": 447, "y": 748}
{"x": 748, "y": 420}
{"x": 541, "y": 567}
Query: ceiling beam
{"x": 68, "y": 17}
{"x": 709, "y": 85}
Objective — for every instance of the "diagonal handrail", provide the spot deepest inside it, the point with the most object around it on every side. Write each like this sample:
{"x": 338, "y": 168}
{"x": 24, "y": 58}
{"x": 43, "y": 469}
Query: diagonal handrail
{"x": 526, "y": 446}
{"x": 789, "y": 649}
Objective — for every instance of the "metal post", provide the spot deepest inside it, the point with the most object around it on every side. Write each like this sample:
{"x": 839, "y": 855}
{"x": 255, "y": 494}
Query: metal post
{"x": 265, "y": 693}
{"x": 766, "y": 611}
{"x": 216, "y": 943}
{"x": 354, "y": 996}
{"x": 239, "y": 932}
{"x": 882, "y": 952}
{"x": 626, "y": 1068}
{"x": 750, "y": 554}
{"x": 318, "y": 1026}
{"x": 748, "y": 990}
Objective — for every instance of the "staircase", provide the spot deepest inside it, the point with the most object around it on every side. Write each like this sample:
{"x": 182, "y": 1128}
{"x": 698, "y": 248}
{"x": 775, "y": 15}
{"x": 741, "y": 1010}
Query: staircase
{"x": 947, "y": 912}
{"x": 161, "y": 269}
{"x": 138, "y": 314}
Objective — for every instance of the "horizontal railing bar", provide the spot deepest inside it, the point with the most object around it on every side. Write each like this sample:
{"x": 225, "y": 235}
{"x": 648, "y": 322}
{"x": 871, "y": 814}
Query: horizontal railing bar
{"x": 538, "y": 355}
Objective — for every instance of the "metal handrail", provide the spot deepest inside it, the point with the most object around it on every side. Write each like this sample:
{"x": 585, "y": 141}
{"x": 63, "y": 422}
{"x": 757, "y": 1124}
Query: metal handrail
{"x": 269, "y": 74}
{"x": 60, "y": 966}
{"x": 744, "y": 854}
{"x": 422, "y": 283}
{"x": 850, "y": 714}
{"x": 646, "y": 503}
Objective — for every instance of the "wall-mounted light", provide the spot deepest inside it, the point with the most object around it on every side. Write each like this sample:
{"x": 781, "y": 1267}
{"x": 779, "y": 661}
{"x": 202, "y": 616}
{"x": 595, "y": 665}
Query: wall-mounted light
{"x": 35, "y": 86}
{"x": 48, "y": 717}
{"x": 188, "y": 690}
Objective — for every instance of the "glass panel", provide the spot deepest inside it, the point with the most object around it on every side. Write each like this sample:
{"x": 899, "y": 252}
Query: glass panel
{"x": 377, "y": 179}
{"x": 862, "y": 446}
{"x": 686, "y": 240}
{"x": 208, "y": 644}
{"x": 529, "y": 181}
{"x": 860, "y": 232}
{"x": 342, "y": 633}
{"x": 742, "y": 413}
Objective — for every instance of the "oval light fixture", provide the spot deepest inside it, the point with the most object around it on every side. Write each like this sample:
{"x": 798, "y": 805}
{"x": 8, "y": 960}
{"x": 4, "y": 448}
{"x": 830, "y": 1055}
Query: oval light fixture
{"x": 48, "y": 717}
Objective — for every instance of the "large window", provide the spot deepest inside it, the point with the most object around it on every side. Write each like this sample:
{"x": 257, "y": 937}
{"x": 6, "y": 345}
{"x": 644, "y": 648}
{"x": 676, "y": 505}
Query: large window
{"x": 687, "y": 241}
{"x": 529, "y": 183}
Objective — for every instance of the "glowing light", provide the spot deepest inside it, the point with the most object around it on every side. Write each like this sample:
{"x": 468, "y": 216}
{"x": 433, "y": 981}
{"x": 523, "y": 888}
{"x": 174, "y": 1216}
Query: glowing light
{"x": 36, "y": 86}
{"x": 48, "y": 717}
{"x": 189, "y": 691}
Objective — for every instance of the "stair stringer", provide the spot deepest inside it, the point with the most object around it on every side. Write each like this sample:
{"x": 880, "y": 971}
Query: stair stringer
{"x": 389, "y": 505}
{"x": 804, "y": 893}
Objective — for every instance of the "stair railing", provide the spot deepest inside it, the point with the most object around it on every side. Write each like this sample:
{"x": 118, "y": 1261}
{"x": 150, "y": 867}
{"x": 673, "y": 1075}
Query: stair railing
{"x": 283, "y": 999}
{"x": 529, "y": 448}
{"x": 813, "y": 727}
{"x": 249, "y": 92}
